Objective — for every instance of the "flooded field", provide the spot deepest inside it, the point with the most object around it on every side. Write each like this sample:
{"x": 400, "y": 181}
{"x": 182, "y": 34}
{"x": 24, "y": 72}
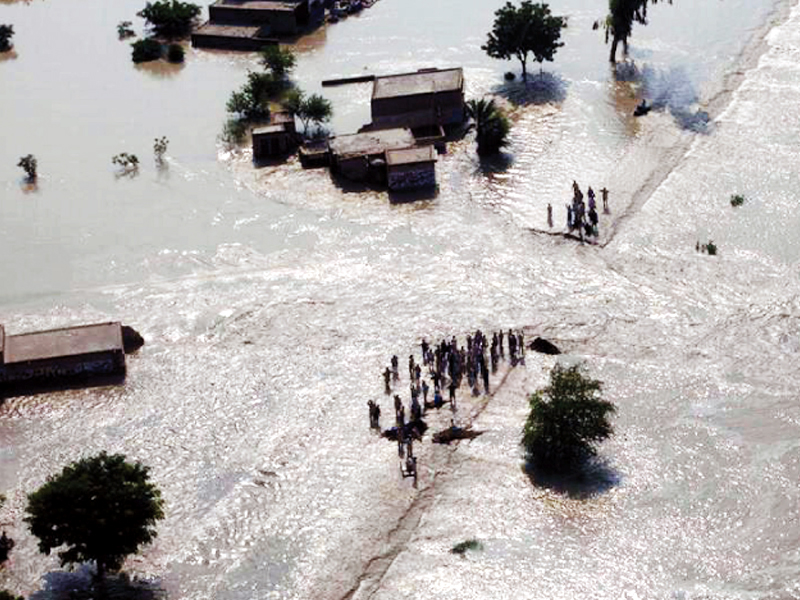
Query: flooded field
{"x": 271, "y": 300}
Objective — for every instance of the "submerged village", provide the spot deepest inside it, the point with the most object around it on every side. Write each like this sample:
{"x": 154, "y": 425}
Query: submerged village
{"x": 100, "y": 515}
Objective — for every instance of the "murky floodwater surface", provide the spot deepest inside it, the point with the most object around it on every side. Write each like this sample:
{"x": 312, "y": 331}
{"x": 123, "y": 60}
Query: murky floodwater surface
{"x": 271, "y": 300}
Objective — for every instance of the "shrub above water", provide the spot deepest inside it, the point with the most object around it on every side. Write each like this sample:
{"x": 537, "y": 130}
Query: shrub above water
{"x": 125, "y": 30}
{"x": 175, "y": 53}
{"x": 146, "y": 50}
{"x": 29, "y": 164}
{"x": 462, "y": 547}
{"x": 6, "y": 33}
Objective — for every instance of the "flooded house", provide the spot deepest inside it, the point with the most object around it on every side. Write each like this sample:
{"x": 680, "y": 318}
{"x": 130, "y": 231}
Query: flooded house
{"x": 276, "y": 139}
{"x": 59, "y": 355}
{"x": 411, "y": 168}
{"x": 253, "y": 24}
{"x": 422, "y": 100}
{"x": 409, "y": 114}
{"x": 362, "y": 156}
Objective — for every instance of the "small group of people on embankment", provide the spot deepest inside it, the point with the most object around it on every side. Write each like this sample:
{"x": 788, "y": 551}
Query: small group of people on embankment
{"x": 582, "y": 216}
{"x": 448, "y": 366}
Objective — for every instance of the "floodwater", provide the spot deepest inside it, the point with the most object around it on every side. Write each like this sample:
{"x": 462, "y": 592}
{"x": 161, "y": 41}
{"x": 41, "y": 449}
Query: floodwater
{"x": 271, "y": 299}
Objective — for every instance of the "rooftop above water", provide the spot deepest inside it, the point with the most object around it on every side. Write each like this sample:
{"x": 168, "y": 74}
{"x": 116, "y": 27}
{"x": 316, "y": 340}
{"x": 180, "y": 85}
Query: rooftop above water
{"x": 424, "y": 81}
{"x": 68, "y": 341}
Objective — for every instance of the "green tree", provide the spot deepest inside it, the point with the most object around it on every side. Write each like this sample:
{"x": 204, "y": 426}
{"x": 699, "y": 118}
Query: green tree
{"x": 520, "y": 31}
{"x": 170, "y": 19}
{"x": 567, "y": 419}
{"x": 6, "y": 33}
{"x": 251, "y": 101}
{"x": 6, "y": 595}
{"x": 314, "y": 109}
{"x": 490, "y": 124}
{"x": 279, "y": 61}
{"x": 100, "y": 508}
{"x": 619, "y": 24}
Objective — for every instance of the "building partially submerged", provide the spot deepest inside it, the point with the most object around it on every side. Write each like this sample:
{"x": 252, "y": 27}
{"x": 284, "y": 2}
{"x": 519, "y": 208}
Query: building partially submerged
{"x": 253, "y": 24}
{"x": 250, "y": 38}
{"x": 58, "y": 355}
{"x": 411, "y": 168}
{"x": 409, "y": 114}
{"x": 362, "y": 156}
{"x": 423, "y": 99}
{"x": 276, "y": 139}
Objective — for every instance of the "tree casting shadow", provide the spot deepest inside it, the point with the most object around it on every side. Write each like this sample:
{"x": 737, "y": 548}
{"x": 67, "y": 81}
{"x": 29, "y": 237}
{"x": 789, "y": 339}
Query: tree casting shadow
{"x": 539, "y": 89}
{"x": 594, "y": 478}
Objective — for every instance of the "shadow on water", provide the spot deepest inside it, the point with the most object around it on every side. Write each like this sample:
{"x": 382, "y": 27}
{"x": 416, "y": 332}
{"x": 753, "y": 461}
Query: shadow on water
{"x": 594, "y": 478}
{"x": 273, "y": 161}
{"x": 495, "y": 163}
{"x": 541, "y": 88}
{"x": 80, "y": 585}
{"x": 423, "y": 195}
{"x": 57, "y": 385}
{"x": 160, "y": 69}
{"x": 626, "y": 72}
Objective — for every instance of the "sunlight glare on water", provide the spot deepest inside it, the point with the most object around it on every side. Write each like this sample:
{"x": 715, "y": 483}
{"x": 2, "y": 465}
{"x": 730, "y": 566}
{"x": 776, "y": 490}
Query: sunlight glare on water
{"x": 271, "y": 299}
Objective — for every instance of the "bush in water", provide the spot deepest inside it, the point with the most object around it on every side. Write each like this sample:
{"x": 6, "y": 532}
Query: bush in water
{"x": 125, "y": 30}
{"x": 175, "y": 53}
{"x": 29, "y": 164}
{"x": 146, "y": 50}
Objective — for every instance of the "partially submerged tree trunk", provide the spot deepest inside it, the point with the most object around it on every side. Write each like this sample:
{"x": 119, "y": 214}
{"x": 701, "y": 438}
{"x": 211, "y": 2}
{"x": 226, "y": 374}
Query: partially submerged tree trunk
{"x": 524, "y": 61}
{"x": 614, "y": 42}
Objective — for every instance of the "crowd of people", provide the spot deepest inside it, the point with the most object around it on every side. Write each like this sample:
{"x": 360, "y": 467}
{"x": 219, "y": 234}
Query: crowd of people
{"x": 582, "y": 216}
{"x": 447, "y": 366}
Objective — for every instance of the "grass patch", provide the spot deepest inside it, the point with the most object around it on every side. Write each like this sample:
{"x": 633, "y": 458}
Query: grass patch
{"x": 737, "y": 200}
{"x": 462, "y": 547}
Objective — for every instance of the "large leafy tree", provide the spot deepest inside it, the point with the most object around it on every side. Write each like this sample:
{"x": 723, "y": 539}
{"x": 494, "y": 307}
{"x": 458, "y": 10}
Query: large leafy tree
{"x": 490, "y": 124}
{"x": 170, "y": 19}
{"x": 619, "y": 24}
{"x": 520, "y": 31}
{"x": 567, "y": 419}
{"x": 99, "y": 509}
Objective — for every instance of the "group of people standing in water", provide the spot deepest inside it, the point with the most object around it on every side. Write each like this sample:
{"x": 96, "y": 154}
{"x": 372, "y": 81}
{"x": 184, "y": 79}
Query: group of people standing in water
{"x": 448, "y": 366}
{"x": 582, "y": 216}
